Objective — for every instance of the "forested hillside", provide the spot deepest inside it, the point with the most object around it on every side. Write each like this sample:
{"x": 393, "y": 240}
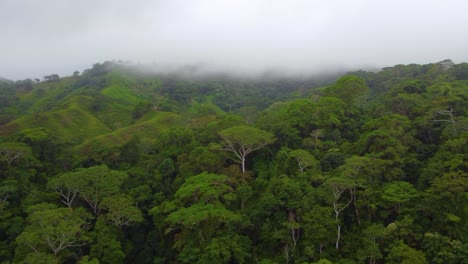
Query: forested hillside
{"x": 119, "y": 165}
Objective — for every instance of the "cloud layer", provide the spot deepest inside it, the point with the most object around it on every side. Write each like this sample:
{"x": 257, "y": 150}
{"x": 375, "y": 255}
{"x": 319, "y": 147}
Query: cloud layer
{"x": 301, "y": 36}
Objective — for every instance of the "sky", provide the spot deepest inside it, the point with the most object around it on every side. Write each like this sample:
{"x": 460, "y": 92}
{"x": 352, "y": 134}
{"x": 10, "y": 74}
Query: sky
{"x": 43, "y": 37}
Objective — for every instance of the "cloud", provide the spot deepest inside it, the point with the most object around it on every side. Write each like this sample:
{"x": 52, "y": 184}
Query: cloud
{"x": 60, "y": 36}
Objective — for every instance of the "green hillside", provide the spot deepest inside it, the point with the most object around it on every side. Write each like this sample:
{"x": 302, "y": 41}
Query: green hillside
{"x": 71, "y": 123}
{"x": 150, "y": 127}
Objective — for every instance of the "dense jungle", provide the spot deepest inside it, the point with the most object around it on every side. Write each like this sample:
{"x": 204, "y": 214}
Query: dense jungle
{"x": 118, "y": 164}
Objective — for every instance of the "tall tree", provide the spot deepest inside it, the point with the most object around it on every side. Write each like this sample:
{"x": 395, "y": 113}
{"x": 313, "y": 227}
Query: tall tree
{"x": 52, "y": 229}
{"x": 339, "y": 186}
{"x": 202, "y": 222}
{"x": 397, "y": 193}
{"x": 243, "y": 140}
{"x": 304, "y": 159}
{"x": 92, "y": 184}
{"x": 11, "y": 151}
{"x": 121, "y": 211}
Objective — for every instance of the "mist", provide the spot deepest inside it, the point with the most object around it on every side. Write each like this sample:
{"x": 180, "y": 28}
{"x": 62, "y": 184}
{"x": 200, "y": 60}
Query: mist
{"x": 241, "y": 37}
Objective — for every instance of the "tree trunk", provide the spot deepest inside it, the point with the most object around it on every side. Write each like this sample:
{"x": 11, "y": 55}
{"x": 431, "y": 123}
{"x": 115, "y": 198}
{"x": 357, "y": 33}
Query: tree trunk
{"x": 356, "y": 210}
{"x": 243, "y": 165}
{"x": 338, "y": 236}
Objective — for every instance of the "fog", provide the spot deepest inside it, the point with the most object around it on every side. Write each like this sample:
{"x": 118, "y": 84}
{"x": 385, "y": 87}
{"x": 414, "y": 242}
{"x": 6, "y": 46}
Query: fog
{"x": 240, "y": 36}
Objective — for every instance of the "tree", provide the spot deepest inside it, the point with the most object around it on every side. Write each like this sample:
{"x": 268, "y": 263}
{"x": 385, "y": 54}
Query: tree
{"x": 7, "y": 90}
{"x": 121, "y": 212}
{"x": 203, "y": 222}
{"x": 445, "y": 203}
{"x": 205, "y": 159}
{"x": 175, "y": 141}
{"x": 106, "y": 245}
{"x": 460, "y": 71}
{"x": 443, "y": 250}
{"x": 243, "y": 140}
{"x": 304, "y": 159}
{"x": 43, "y": 142}
{"x": 52, "y": 77}
{"x": 68, "y": 187}
{"x": 92, "y": 184}
{"x": 100, "y": 182}
{"x": 283, "y": 202}
{"x": 41, "y": 258}
{"x": 231, "y": 248}
{"x": 299, "y": 113}
{"x": 339, "y": 186}
{"x": 329, "y": 112}
{"x": 277, "y": 119}
{"x": 11, "y": 151}
{"x": 8, "y": 187}
{"x": 53, "y": 229}
{"x": 319, "y": 229}
{"x": 348, "y": 88}
{"x": 371, "y": 237}
{"x": 351, "y": 170}
{"x": 398, "y": 192}
{"x": 404, "y": 254}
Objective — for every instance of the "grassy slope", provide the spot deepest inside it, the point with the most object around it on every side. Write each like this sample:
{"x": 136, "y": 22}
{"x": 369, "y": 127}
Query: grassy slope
{"x": 71, "y": 123}
{"x": 72, "y": 116}
{"x": 149, "y": 126}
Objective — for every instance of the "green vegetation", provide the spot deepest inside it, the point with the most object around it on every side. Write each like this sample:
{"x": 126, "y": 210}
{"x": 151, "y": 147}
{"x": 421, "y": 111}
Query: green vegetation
{"x": 119, "y": 166}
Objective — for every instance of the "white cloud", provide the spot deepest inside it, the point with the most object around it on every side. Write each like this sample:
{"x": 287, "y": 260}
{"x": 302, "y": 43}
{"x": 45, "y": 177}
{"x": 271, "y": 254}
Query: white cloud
{"x": 60, "y": 36}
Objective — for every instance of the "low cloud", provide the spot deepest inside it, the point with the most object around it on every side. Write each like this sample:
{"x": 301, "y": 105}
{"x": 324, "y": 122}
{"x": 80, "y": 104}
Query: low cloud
{"x": 245, "y": 37}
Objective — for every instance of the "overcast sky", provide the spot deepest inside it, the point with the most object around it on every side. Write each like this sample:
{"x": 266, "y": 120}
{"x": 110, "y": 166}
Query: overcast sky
{"x": 40, "y": 37}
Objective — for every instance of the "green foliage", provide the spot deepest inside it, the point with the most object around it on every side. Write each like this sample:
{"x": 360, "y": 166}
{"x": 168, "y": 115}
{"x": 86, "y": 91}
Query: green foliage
{"x": 54, "y": 230}
{"x": 41, "y": 258}
{"x": 322, "y": 261}
{"x": 203, "y": 187}
{"x": 225, "y": 249}
{"x": 13, "y": 151}
{"x": 88, "y": 260}
{"x": 199, "y": 213}
{"x": 445, "y": 202}
{"x": 141, "y": 108}
{"x": 8, "y": 98}
{"x": 243, "y": 140}
{"x": 373, "y": 236}
{"x": 106, "y": 247}
{"x": 304, "y": 159}
{"x": 461, "y": 71}
{"x": 402, "y": 253}
{"x": 348, "y": 89}
{"x": 205, "y": 159}
{"x": 332, "y": 160}
{"x": 329, "y": 112}
{"x": 247, "y": 136}
{"x": 91, "y": 184}
{"x": 398, "y": 193}
{"x": 120, "y": 210}
{"x": 441, "y": 249}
